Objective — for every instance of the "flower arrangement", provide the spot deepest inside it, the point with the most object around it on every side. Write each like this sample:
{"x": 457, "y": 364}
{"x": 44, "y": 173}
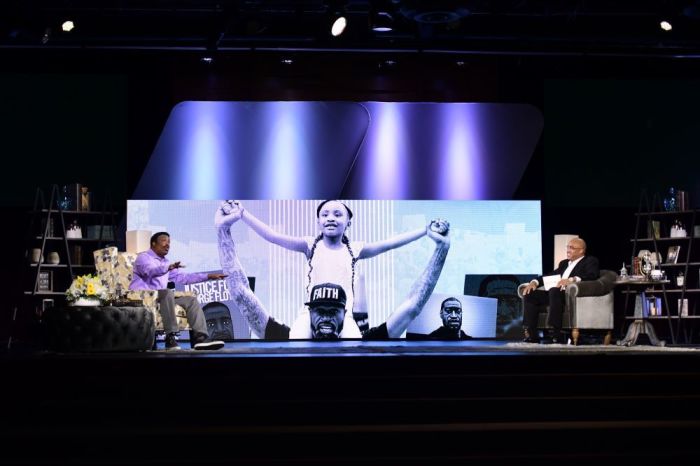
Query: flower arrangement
{"x": 87, "y": 286}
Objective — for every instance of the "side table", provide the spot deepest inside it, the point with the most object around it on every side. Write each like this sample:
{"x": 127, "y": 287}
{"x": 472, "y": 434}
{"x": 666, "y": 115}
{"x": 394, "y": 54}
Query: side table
{"x": 99, "y": 329}
{"x": 642, "y": 326}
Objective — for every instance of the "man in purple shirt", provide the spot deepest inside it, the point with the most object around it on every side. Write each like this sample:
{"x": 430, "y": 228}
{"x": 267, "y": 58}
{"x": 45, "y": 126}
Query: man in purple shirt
{"x": 152, "y": 271}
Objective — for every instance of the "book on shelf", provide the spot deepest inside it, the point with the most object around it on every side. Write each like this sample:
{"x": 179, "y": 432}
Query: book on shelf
{"x": 651, "y": 305}
{"x": 654, "y": 229}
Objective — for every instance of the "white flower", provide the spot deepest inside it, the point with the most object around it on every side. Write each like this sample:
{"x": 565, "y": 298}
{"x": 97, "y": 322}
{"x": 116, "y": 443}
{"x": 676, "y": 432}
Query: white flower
{"x": 86, "y": 286}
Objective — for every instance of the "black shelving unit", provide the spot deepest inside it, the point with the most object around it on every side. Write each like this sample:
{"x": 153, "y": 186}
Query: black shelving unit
{"x": 658, "y": 240}
{"x": 43, "y": 283}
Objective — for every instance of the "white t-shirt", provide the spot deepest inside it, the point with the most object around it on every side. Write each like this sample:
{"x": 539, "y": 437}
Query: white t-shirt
{"x": 330, "y": 266}
{"x": 333, "y": 266}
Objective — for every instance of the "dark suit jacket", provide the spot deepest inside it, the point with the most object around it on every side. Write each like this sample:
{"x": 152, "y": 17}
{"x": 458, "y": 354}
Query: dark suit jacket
{"x": 587, "y": 269}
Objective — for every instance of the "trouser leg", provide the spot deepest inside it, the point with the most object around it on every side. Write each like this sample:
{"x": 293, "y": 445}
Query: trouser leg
{"x": 534, "y": 302}
{"x": 195, "y": 315}
{"x": 556, "y": 307}
{"x": 166, "y": 299}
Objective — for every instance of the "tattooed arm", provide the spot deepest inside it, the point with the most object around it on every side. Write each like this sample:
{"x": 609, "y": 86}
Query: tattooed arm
{"x": 422, "y": 288}
{"x": 249, "y": 305}
{"x": 234, "y": 210}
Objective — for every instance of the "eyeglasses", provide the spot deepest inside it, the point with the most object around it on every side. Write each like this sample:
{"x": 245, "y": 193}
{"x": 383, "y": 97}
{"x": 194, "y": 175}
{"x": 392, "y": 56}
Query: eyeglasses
{"x": 572, "y": 247}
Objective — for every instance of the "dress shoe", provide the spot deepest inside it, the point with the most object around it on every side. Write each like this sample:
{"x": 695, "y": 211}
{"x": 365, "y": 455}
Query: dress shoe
{"x": 529, "y": 339}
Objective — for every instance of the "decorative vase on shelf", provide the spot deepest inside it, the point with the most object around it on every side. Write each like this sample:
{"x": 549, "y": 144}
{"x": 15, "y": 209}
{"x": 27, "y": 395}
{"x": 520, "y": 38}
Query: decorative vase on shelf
{"x": 82, "y": 301}
{"x": 647, "y": 266}
{"x": 670, "y": 201}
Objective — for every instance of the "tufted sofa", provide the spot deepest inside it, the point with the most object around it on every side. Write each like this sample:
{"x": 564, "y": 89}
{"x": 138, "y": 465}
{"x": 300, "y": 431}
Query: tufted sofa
{"x": 95, "y": 329}
{"x": 116, "y": 269}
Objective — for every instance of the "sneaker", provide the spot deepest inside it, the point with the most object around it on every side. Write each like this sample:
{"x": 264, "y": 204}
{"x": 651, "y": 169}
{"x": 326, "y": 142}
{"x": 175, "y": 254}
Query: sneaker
{"x": 171, "y": 342}
{"x": 202, "y": 342}
{"x": 209, "y": 345}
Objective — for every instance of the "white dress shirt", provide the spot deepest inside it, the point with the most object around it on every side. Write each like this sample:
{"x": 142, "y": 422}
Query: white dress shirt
{"x": 571, "y": 266}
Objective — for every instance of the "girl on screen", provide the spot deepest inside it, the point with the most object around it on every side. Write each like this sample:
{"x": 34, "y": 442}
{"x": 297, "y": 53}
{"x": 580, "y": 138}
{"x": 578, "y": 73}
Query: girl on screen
{"x": 330, "y": 255}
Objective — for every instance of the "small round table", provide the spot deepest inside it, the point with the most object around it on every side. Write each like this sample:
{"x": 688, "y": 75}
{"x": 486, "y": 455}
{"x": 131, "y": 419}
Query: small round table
{"x": 641, "y": 326}
{"x": 99, "y": 328}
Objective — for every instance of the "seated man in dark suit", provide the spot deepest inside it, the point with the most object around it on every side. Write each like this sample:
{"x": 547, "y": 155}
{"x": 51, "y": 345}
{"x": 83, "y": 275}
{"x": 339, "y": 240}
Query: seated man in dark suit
{"x": 575, "y": 268}
{"x": 451, "y": 315}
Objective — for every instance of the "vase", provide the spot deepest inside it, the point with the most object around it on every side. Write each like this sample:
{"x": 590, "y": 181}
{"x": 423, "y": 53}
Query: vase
{"x": 86, "y": 302}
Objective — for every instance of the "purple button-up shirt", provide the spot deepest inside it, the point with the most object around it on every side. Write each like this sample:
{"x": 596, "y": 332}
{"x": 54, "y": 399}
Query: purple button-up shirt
{"x": 151, "y": 273}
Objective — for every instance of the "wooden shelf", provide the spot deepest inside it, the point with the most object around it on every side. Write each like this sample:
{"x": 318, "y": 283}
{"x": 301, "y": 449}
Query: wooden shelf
{"x": 680, "y": 264}
{"x": 661, "y": 317}
{"x": 76, "y": 212}
{"x": 672, "y": 212}
{"x": 651, "y": 223}
{"x": 55, "y": 266}
{"x": 60, "y": 238}
{"x": 101, "y": 223}
{"x": 645, "y": 240}
{"x": 659, "y": 291}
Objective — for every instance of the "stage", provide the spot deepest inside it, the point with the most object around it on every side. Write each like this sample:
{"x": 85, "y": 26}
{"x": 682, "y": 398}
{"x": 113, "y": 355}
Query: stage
{"x": 347, "y": 402}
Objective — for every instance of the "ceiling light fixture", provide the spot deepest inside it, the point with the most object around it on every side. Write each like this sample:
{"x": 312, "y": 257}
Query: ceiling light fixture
{"x": 338, "y": 26}
{"x": 382, "y": 22}
{"x": 665, "y": 25}
{"x": 67, "y": 26}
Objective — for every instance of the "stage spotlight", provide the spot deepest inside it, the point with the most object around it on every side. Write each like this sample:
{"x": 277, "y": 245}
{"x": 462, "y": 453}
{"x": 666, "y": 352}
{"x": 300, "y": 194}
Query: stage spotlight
{"x": 286, "y": 61}
{"x": 207, "y": 59}
{"x": 67, "y": 26}
{"x": 338, "y": 26}
{"x": 665, "y": 25}
{"x": 382, "y": 22}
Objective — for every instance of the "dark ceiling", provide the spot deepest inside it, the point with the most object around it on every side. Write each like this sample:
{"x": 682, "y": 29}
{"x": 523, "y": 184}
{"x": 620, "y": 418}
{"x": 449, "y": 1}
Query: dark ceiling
{"x": 602, "y": 27}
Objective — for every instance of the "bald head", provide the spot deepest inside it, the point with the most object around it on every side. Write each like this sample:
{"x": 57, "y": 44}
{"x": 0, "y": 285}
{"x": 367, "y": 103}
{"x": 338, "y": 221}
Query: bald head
{"x": 575, "y": 249}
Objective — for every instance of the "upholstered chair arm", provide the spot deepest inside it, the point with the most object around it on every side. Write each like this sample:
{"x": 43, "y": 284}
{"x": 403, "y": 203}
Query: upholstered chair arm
{"x": 149, "y": 298}
{"x": 521, "y": 288}
{"x": 599, "y": 287}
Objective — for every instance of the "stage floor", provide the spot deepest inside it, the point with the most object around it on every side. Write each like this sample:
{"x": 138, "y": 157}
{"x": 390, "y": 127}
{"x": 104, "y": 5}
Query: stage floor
{"x": 256, "y": 348}
{"x": 350, "y": 402}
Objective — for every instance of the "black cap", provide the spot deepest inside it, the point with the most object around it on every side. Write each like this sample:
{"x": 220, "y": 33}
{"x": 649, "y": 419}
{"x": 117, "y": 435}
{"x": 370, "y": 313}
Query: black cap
{"x": 327, "y": 294}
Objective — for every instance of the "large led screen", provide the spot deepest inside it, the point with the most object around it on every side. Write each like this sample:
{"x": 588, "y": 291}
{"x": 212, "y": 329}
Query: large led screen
{"x": 486, "y": 237}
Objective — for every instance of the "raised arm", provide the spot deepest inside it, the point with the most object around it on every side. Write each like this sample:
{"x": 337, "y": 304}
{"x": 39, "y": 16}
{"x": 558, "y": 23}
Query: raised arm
{"x": 292, "y": 243}
{"x": 236, "y": 279}
{"x": 379, "y": 247}
{"x": 422, "y": 288}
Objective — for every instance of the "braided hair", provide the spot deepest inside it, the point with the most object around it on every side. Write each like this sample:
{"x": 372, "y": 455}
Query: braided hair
{"x": 346, "y": 242}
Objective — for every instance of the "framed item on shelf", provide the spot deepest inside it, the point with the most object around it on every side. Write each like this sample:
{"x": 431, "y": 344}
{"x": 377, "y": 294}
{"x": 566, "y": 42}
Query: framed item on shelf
{"x": 673, "y": 252}
{"x": 45, "y": 282}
